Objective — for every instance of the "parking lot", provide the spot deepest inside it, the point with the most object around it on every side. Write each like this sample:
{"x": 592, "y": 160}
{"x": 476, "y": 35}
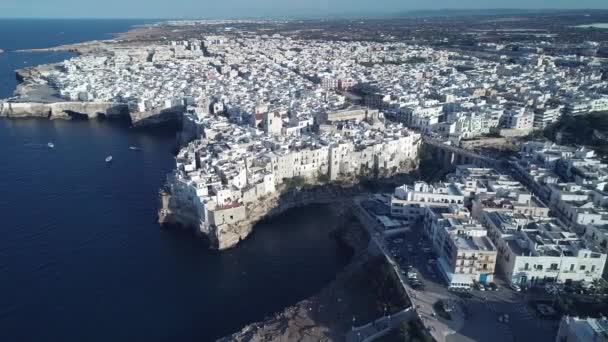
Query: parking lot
{"x": 474, "y": 315}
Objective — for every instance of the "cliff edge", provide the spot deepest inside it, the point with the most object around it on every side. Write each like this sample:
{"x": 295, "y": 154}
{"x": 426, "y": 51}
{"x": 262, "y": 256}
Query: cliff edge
{"x": 227, "y": 235}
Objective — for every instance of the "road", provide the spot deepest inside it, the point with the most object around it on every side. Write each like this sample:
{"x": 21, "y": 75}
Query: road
{"x": 472, "y": 319}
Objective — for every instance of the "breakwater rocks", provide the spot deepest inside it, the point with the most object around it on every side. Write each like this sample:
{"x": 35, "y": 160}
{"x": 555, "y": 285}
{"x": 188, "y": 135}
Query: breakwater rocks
{"x": 227, "y": 235}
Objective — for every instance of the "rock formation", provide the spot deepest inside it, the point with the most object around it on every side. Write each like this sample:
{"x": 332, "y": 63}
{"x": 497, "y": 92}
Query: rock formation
{"x": 225, "y": 236}
{"x": 63, "y": 110}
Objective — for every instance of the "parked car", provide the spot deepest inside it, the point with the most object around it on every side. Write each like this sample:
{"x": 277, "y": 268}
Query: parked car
{"x": 418, "y": 286}
{"x": 515, "y": 288}
{"x": 493, "y": 287}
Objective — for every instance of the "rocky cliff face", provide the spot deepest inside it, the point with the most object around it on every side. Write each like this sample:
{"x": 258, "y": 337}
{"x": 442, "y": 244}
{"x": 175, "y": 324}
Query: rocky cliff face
{"x": 91, "y": 110}
{"x": 226, "y": 236}
{"x": 63, "y": 110}
{"x": 165, "y": 117}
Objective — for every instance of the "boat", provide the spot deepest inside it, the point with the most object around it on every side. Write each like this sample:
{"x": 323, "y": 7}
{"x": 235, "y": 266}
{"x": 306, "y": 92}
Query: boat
{"x": 50, "y": 145}
{"x": 134, "y": 148}
{"x": 108, "y": 159}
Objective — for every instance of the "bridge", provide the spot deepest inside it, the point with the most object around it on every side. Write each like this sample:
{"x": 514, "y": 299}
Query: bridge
{"x": 450, "y": 155}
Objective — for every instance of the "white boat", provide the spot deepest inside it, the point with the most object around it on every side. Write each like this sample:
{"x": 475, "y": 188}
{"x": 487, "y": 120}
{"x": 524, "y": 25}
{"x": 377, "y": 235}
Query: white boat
{"x": 134, "y": 148}
{"x": 51, "y": 145}
{"x": 108, "y": 159}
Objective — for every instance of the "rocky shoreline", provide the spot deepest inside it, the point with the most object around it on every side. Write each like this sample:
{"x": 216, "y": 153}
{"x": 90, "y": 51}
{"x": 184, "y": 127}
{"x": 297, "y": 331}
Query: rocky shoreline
{"x": 358, "y": 291}
{"x": 36, "y": 98}
{"x": 229, "y": 235}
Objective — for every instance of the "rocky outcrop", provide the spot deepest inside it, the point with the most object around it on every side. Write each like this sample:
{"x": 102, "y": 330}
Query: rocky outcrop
{"x": 226, "y": 236}
{"x": 158, "y": 117}
{"x": 90, "y": 110}
{"x": 63, "y": 110}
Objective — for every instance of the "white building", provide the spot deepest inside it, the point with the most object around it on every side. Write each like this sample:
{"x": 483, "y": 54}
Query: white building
{"x": 574, "y": 329}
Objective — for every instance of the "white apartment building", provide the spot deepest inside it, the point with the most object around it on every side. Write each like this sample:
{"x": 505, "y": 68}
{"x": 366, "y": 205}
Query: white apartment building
{"x": 534, "y": 251}
{"x": 410, "y": 202}
{"x": 465, "y": 254}
{"x": 575, "y": 329}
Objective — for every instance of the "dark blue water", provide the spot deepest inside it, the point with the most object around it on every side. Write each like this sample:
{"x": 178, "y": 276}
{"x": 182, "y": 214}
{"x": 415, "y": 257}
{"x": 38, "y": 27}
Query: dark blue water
{"x": 82, "y": 258}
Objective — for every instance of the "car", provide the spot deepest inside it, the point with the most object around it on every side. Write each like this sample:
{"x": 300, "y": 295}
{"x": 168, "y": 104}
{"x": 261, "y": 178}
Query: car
{"x": 515, "y": 287}
{"x": 493, "y": 286}
{"x": 418, "y": 286}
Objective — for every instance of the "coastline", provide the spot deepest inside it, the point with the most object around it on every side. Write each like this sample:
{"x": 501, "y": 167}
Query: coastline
{"x": 360, "y": 291}
{"x": 225, "y": 236}
{"x": 330, "y": 326}
{"x": 34, "y": 97}
{"x": 228, "y": 236}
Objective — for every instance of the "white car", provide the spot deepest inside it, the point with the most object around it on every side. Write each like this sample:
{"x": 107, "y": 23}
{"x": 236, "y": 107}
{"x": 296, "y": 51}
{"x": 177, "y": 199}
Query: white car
{"x": 515, "y": 288}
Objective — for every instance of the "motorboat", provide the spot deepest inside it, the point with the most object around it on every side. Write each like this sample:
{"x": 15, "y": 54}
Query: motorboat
{"x": 50, "y": 145}
{"x": 108, "y": 159}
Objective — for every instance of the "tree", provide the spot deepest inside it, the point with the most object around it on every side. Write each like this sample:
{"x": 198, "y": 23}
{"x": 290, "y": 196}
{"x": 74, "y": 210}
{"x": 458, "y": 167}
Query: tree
{"x": 323, "y": 178}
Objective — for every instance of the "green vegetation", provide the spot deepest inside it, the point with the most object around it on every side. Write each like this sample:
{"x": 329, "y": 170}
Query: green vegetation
{"x": 389, "y": 294}
{"x": 323, "y": 178}
{"x": 589, "y": 130}
{"x": 295, "y": 182}
{"x": 428, "y": 166}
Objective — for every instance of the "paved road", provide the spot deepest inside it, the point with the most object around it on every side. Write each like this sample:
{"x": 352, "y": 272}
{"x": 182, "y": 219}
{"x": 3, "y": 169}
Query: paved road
{"x": 473, "y": 319}
{"x": 380, "y": 326}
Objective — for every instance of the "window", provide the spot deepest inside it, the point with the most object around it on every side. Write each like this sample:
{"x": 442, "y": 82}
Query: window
{"x": 572, "y": 267}
{"x": 526, "y": 266}
{"x": 582, "y": 268}
{"x": 592, "y": 268}
{"x": 554, "y": 266}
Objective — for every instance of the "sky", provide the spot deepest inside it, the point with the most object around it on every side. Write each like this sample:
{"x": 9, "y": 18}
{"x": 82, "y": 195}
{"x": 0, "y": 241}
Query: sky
{"x": 166, "y": 9}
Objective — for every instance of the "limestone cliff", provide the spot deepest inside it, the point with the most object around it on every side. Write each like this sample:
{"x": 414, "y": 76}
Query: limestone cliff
{"x": 63, "y": 110}
{"x": 90, "y": 110}
{"x": 165, "y": 117}
{"x": 226, "y": 236}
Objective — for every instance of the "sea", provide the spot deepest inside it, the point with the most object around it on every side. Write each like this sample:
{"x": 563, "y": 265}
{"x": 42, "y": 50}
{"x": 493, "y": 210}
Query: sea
{"x": 81, "y": 255}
